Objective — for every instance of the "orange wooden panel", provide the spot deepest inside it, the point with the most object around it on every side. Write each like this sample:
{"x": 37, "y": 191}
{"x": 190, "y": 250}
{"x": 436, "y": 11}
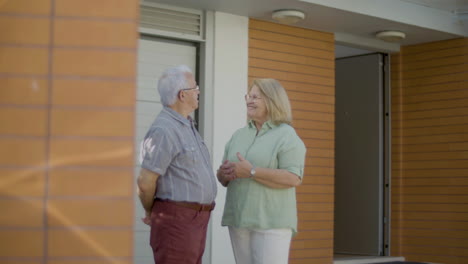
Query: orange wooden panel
{"x": 320, "y": 171}
{"x": 435, "y": 52}
{"x": 306, "y": 225}
{"x": 311, "y": 198}
{"x": 310, "y": 252}
{"x": 23, "y": 121}
{"x": 454, "y": 77}
{"x": 91, "y": 182}
{"x": 315, "y": 116}
{"x": 445, "y": 259}
{"x": 325, "y": 49}
{"x": 431, "y": 113}
{"x": 290, "y": 67}
{"x": 452, "y": 155}
{"x": 22, "y": 212}
{"x": 72, "y": 122}
{"x": 319, "y": 188}
{"x": 94, "y": 63}
{"x": 314, "y": 143}
{"x": 103, "y": 8}
{"x": 438, "y": 45}
{"x": 429, "y": 122}
{"x": 21, "y": 60}
{"x": 428, "y": 198}
{"x": 23, "y": 90}
{"x": 432, "y": 173}
{"x": 442, "y": 233}
{"x": 451, "y": 225}
{"x": 104, "y": 213}
{"x": 428, "y": 147}
{"x": 413, "y": 142}
{"x": 462, "y": 102}
{"x": 308, "y": 90}
{"x": 312, "y": 180}
{"x": 35, "y": 260}
{"x": 322, "y": 162}
{"x": 90, "y": 243}
{"x": 113, "y": 153}
{"x": 268, "y": 41}
{"x": 284, "y": 57}
{"x": 320, "y": 152}
{"x": 315, "y": 216}
{"x": 298, "y": 106}
{"x": 447, "y": 129}
{"x": 433, "y": 190}
{"x": 327, "y": 135}
{"x": 95, "y": 33}
{"x": 22, "y": 152}
{"x": 306, "y": 98}
{"x": 104, "y": 93}
{"x": 319, "y": 125}
{"x": 420, "y": 64}
{"x": 36, "y": 7}
{"x": 318, "y": 260}
{"x": 293, "y": 31}
{"x": 442, "y": 70}
{"x": 22, "y": 182}
{"x": 428, "y": 97}
{"x": 24, "y": 30}
{"x": 436, "y": 242}
{"x": 24, "y": 243}
{"x": 436, "y": 164}
{"x": 291, "y": 76}
{"x": 429, "y": 181}
{"x": 317, "y": 243}
{"x": 318, "y": 207}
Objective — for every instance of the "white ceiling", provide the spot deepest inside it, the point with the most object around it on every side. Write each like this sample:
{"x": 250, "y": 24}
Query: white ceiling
{"x": 355, "y": 22}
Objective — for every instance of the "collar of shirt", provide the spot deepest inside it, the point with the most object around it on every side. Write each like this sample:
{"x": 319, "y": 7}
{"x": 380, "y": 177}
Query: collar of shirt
{"x": 186, "y": 121}
{"x": 265, "y": 127}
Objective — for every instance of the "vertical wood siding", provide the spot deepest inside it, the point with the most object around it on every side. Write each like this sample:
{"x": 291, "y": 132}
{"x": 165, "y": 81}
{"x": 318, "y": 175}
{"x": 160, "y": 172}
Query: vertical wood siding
{"x": 304, "y": 62}
{"x": 430, "y": 152}
{"x": 67, "y": 95}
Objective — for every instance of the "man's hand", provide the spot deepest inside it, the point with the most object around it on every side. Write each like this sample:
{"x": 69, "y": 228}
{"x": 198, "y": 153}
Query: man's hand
{"x": 147, "y": 218}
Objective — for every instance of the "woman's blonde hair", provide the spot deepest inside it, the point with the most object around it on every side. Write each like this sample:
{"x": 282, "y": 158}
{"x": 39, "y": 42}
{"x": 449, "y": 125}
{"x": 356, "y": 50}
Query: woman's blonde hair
{"x": 276, "y": 100}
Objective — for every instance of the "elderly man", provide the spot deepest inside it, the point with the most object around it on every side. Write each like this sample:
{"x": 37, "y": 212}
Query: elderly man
{"x": 176, "y": 185}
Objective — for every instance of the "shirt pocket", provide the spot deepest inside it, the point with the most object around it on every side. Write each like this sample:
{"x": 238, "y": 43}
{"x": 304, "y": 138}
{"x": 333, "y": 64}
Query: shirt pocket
{"x": 187, "y": 156}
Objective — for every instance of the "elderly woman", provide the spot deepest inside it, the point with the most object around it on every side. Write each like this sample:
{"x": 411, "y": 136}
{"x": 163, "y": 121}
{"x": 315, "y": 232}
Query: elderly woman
{"x": 263, "y": 162}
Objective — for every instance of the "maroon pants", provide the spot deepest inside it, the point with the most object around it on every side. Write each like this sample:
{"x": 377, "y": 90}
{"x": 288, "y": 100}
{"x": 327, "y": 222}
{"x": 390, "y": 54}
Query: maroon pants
{"x": 178, "y": 234}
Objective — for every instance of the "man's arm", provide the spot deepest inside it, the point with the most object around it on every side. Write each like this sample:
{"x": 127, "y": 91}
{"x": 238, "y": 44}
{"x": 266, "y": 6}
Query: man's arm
{"x": 146, "y": 189}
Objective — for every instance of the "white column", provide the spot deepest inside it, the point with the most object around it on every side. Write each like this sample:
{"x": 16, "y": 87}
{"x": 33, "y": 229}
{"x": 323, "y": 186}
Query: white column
{"x": 230, "y": 72}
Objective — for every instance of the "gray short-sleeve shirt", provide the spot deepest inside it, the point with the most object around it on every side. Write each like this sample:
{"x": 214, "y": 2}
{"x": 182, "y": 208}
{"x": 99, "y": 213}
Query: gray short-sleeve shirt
{"x": 174, "y": 149}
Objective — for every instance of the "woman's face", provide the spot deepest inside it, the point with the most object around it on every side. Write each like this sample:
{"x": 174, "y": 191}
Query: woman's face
{"x": 256, "y": 106}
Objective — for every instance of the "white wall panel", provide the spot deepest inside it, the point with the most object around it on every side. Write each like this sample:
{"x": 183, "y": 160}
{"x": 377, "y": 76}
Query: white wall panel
{"x": 230, "y": 85}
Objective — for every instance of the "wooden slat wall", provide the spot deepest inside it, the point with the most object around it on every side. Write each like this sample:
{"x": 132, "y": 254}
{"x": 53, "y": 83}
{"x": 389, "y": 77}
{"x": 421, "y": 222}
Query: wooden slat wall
{"x": 430, "y": 152}
{"x": 304, "y": 62}
{"x": 67, "y": 95}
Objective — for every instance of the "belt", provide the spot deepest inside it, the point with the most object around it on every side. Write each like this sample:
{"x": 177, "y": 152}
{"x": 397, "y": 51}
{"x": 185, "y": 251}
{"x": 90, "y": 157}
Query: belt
{"x": 191, "y": 205}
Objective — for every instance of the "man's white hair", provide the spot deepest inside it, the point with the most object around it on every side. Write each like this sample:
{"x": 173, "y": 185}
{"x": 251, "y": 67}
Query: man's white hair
{"x": 171, "y": 82}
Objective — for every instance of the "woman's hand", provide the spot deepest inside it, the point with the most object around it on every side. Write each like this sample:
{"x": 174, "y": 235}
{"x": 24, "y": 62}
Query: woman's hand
{"x": 243, "y": 167}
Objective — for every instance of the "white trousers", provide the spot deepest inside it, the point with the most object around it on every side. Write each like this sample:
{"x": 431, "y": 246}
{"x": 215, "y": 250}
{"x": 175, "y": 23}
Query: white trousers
{"x": 258, "y": 246}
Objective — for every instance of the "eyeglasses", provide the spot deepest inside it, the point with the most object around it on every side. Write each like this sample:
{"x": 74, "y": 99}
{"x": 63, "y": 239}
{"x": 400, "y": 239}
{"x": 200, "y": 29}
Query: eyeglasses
{"x": 252, "y": 97}
{"x": 188, "y": 89}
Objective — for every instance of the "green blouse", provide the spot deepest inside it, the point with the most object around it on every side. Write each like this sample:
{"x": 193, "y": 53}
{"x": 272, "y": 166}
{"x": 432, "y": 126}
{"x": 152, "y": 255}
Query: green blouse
{"x": 251, "y": 204}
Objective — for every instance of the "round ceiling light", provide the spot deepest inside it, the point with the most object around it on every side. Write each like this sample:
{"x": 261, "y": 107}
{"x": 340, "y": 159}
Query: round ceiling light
{"x": 390, "y": 35}
{"x": 287, "y": 16}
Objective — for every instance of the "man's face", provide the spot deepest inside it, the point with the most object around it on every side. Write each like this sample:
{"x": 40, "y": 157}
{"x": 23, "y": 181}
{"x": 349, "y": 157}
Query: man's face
{"x": 191, "y": 92}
